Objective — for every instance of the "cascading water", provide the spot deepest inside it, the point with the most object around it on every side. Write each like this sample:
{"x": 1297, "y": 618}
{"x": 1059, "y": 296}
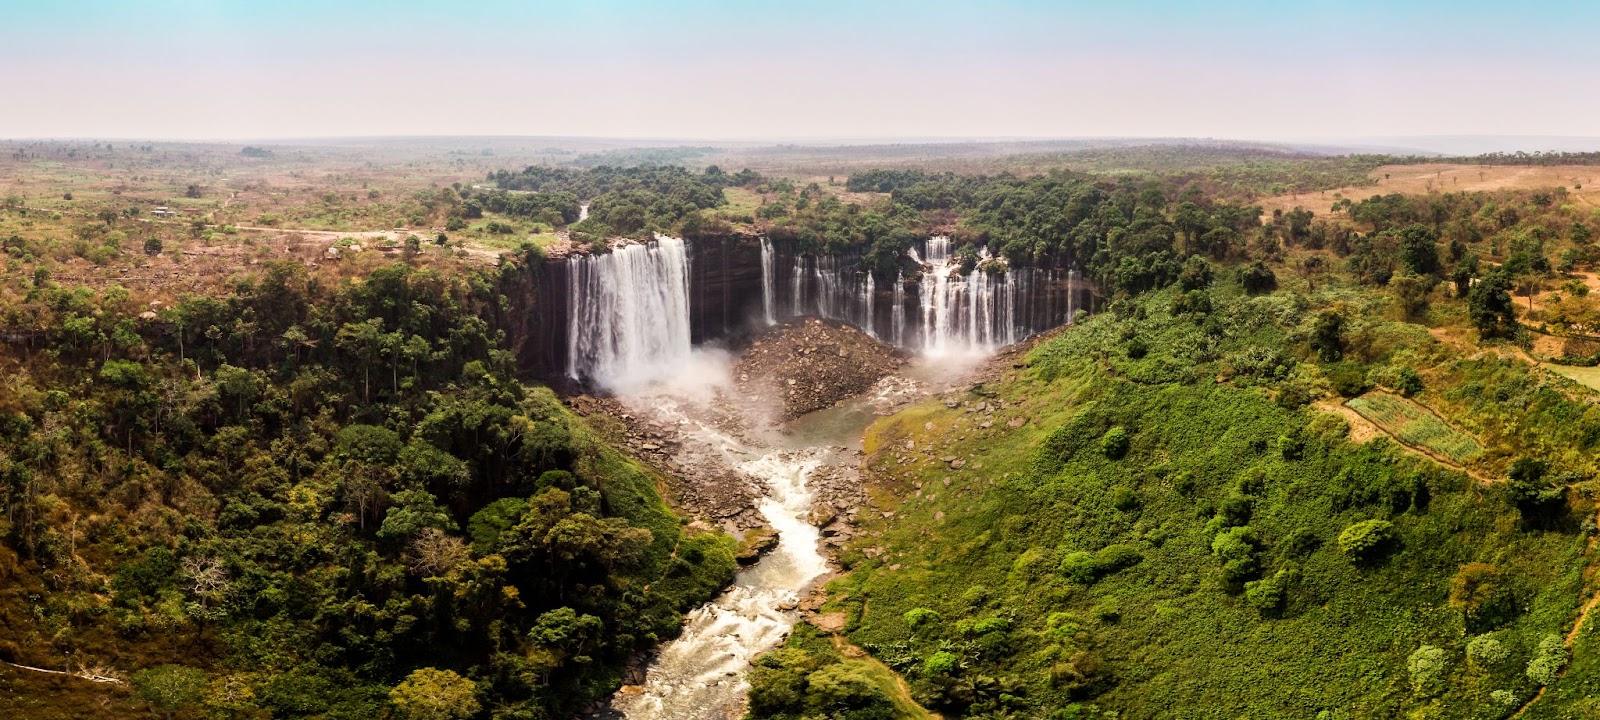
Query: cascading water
{"x": 701, "y": 673}
{"x": 825, "y": 286}
{"x": 985, "y": 308}
{"x": 768, "y": 282}
{"x": 629, "y": 314}
{"x": 975, "y": 312}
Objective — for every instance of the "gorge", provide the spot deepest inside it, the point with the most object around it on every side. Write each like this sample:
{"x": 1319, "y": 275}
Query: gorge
{"x": 639, "y": 309}
{"x": 634, "y": 316}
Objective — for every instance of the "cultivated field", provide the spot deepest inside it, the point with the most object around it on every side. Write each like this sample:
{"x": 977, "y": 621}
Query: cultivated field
{"x": 1416, "y": 426}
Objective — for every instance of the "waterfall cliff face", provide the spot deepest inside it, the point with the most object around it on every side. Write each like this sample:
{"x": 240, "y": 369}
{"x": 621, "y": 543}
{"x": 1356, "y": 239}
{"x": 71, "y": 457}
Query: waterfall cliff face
{"x": 621, "y": 317}
{"x": 937, "y": 309}
{"x": 628, "y": 313}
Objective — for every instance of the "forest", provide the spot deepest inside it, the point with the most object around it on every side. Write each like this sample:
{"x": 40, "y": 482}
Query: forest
{"x": 302, "y": 499}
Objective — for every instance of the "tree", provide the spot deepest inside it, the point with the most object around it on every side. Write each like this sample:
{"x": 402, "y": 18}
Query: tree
{"x": 1196, "y": 274}
{"x": 1548, "y": 661}
{"x": 1412, "y": 291}
{"x": 1310, "y": 267}
{"x": 1238, "y": 548}
{"x": 1419, "y": 252}
{"x": 1480, "y": 591}
{"x": 1489, "y": 305}
{"x": 1327, "y": 337}
{"x": 1368, "y": 540}
{"x": 1257, "y": 278}
{"x": 170, "y": 689}
{"x": 1115, "y": 443}
{"x": 413, "y": 511}
{"x": 430, "y": 694}
{"x": 1537, "y": 494}
{"x": 846, "y": 692}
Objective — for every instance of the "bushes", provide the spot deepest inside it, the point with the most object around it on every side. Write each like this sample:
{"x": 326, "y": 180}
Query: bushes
{"x": 429, "y": 694}
{"x": 1367, "y": 541}
{"x": 171, "y": 689}
{"x": 1548, "y": 661}
{"x": 1115, "y": 443}
{"x": 1486, "y": 653}
{"x": 1087, "y": 568}
{"x": 1239, "y": 550}
{"x": 1427, "y": 666}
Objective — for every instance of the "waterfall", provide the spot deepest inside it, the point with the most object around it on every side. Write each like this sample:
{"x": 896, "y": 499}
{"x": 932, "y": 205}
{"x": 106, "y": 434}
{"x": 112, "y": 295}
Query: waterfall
{"x": 978, "y": 311}
{"x": 972, "y": 312}
{"x": 1072, "y": 292}
{"x": 629, "y": 313}
{"x": 768, "y": 282}
{"x": 897, "y": 314}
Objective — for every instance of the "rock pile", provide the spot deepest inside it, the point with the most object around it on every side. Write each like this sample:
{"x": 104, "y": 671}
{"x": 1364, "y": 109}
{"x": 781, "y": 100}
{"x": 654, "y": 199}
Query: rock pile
{"x": 810, "y": 364}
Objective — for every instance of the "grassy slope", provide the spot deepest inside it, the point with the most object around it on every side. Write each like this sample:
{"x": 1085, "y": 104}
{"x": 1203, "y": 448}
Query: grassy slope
{"x": 1170, "y": 632}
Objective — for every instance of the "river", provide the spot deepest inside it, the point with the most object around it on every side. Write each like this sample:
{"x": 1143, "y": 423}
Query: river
{"x": 701, "y": 675}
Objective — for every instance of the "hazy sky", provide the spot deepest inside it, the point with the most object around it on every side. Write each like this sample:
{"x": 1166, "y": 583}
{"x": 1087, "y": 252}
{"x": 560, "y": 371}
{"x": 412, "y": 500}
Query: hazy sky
{"x": 1269, "y": 70}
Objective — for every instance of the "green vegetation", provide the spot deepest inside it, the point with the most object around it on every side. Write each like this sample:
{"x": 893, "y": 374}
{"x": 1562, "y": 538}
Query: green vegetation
{"x": 303, "y": 499}
{"x": 1178, "y": 528}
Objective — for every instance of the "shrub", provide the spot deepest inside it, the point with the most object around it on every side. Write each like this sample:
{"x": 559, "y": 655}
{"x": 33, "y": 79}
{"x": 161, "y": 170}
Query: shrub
{"x": 1268, "y": 595}
{"x": 1427, "y": 666}
{"x": 1238, "y": 549}
{"x": 430, "y": 694}
{"x": 1485, "y": 652}
{"x": 1367, "y": 540}
{"x": 170, "y": 689}
{"x": 1115, "y": 443}
{"x": 941, "y": 663}
{"x": 152, "y": 246}
{"x": 920, "y": 616}
{"x": 1548, "y": 661}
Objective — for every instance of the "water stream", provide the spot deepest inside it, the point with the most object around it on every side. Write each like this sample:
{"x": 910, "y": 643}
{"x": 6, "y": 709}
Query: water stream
{"x": 630, "y": 334}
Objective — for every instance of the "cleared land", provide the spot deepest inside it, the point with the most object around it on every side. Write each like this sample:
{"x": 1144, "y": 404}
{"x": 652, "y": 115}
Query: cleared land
{"x": 1581, "y": 181}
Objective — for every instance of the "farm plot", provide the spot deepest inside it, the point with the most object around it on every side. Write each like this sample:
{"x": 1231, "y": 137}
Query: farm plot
{"x": 1417, "y": 426}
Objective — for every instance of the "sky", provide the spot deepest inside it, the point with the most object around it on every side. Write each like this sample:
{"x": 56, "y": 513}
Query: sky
{"x": 1305, "y": 70}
